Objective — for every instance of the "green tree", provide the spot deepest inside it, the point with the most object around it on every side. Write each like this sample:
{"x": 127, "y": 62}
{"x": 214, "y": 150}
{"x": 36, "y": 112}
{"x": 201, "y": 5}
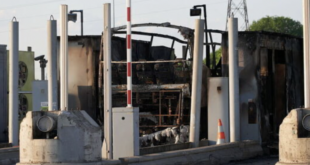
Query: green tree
{"x": 218, "y": 54}
{"x": 278, "y": 24}
{"x": 272, "y": 24}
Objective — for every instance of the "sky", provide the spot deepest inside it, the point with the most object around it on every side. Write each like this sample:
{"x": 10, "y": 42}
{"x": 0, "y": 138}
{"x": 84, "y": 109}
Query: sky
{"x": 32, "y": 16}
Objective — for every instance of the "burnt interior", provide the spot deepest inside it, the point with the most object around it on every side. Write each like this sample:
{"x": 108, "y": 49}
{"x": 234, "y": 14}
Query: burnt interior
{"x": 160, "y": 108}
{"x": 270, "y": 80}
{"x": 275, "y": 100}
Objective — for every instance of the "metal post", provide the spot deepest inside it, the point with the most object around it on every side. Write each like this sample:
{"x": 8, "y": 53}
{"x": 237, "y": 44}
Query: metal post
{"x": 52, "y": 66}
{"x": 42, "y": 62}
{"x": 64, "y": 57}
{"x": 113, "y": 13}
{"x": 42, "y": 74}
{"x": 107, "y": 81}
{"x": 306, "y": 19}
{"x": 234, "y": 110}
{"x": 129, "y": 70}
{"x": 184, "y": 52}
{"x": 82, "y": 23}
{"x": 13, "y": 83}
{"x": 196, "y": 84}
{"x": 3, "y": 93}
{"x": 206, "y": 36}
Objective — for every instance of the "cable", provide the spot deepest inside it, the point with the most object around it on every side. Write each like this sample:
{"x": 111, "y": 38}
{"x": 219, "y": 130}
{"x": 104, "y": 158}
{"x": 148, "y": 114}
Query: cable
{"x": 116, "y": 17}
{"x": 31, "y": 28}
{"x": 33, "y": 4}
{"x": 161, "y": 11}
{"x": 139, "y": 14}
{"x": 47, "y": 14}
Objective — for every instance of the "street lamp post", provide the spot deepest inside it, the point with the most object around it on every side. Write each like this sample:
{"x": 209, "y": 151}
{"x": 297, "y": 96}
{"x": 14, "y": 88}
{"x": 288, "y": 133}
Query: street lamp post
{"x": 43, "y": 62}
{"x": 195, "y": 12}
{"x": 79, "y": 11}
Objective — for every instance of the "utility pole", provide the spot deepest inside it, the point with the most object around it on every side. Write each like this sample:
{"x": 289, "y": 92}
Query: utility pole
{"x": 238, "y": 8}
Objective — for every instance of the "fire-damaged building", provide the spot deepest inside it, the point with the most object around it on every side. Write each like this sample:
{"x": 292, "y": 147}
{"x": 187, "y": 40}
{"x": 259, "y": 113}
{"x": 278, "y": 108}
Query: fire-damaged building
{"x": 270, "y": 81}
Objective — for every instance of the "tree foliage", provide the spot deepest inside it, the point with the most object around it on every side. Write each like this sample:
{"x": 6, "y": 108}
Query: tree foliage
{"x": 272, "y": 24}
{"x": 218, "y": 54}
{"x": 278, "y": 24}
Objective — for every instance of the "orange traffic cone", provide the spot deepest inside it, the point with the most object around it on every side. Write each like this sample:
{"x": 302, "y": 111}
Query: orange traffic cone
{"x": 220, "y": 134}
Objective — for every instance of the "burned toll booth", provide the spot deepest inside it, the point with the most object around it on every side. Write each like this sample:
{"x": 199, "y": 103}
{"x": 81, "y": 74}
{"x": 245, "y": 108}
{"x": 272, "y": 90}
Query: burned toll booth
{"x": 270, "y": 81}
{"x": 161, "y": 85}
{"x": 161, "y": 81}
{"x": 83, "y": 56}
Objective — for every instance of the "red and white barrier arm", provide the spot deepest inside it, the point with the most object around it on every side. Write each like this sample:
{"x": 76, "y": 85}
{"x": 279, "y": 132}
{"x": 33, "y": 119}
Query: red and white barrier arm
{"x": 129, "y": 70}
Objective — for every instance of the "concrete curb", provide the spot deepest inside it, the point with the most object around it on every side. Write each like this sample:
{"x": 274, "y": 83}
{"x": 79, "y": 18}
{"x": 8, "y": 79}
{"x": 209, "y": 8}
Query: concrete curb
{"x": 217, "y": 154}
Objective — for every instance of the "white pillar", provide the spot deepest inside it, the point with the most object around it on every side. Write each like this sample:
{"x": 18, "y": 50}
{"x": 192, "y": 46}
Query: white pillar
{"x": 107, "y": 81}
{"x": 63, "y": 57}
{"x": 52, "y": 63}
{"x": 13, "y": 83}
{"x": 234, "y": 110}
{"x": 306, "y": 19}
{"x": 129, "y": 51}
{"x": 196, "y": 84}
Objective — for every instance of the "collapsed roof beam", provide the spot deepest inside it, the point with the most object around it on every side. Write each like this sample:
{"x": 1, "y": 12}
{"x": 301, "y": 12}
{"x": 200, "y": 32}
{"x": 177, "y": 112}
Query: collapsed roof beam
{"x": 152, "y": 34}
{"x": 161, "y": 35}
{"x": 165, "y": 24}
{"x": 186, "y": 32}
